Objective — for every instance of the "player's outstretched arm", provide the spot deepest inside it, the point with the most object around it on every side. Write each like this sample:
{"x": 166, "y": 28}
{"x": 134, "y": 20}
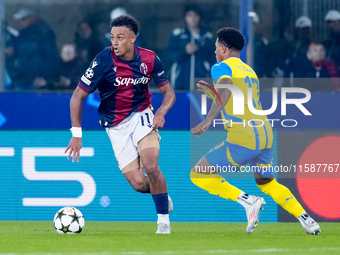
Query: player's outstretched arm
{"x": 215, "y": 109}
{"x": 76, "y": 104}
{"x": 168, "y": 101}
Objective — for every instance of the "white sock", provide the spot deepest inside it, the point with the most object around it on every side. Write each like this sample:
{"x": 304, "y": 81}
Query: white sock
{"x": 163, "y": 218}
{"x": 245, "y": 200}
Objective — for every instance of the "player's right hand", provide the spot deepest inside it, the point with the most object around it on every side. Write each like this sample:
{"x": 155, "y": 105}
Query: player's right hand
{"x": 201, "y": 128}
{"x": 74, "y": 148}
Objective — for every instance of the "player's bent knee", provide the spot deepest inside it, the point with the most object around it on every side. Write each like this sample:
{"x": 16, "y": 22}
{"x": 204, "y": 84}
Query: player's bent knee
{"x": 138, "y": 186}
{"x": 149, "y": 157}
{"x": 149, "y": 162}
{"x": 150, "y": 165}
{"x": 194, "y": 169}
{"x": 153, "y": 172}
{"x": 203, "y": 166}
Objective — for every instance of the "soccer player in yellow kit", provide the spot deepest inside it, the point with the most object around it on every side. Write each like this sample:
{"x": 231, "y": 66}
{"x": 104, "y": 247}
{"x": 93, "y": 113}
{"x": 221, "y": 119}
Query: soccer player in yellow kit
{"x": 249, "y": 138}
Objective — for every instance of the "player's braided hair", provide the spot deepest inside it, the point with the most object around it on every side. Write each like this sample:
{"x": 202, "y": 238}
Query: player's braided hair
{"x": 231, "y": 38}
{"x": 126, "y": 21}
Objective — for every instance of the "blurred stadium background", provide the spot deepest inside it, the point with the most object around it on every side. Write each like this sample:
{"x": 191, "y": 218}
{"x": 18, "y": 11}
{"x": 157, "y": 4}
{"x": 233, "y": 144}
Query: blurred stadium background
{"x": 36, "y": 179}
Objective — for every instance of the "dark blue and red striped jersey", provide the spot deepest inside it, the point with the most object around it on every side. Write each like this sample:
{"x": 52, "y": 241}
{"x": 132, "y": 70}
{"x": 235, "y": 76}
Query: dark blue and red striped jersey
{"x": 123, "y": 85}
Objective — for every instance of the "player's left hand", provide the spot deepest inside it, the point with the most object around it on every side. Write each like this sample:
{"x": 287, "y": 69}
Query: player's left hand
{"x": 201, "y": 128}
{"x": 158, "y": 121}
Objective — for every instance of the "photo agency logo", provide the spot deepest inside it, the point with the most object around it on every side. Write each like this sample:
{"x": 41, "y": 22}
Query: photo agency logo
{"x": 239, "y": 104}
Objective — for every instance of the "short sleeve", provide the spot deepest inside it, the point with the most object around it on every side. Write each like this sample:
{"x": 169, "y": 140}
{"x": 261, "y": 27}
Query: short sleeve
{"x": 158, "y": 73}
{"x": 92, "y": 76}
{"x": 220, "y": 71}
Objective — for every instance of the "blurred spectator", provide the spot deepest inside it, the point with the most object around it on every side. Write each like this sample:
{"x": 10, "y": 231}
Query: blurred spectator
{"x": 10, "y": 35}
{"x": 191, "y": 51}
{"x": 316, "y": 65}
{"x": 70, "y": 68}
{"x": 87, "y": 42}
{"x": 261, "y": 55}
{"x": 35, "y": 53}
{"x": 297, "y": 49}
{"x": 116, "y": 12}
{"x": 333, "y": 43}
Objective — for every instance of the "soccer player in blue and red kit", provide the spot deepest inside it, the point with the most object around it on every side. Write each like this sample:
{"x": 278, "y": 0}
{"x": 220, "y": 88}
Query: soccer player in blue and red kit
{"x": 122, "y": 74}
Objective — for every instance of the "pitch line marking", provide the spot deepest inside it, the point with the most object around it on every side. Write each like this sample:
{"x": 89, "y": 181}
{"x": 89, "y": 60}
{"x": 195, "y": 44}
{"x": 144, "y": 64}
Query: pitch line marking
{"x": 268, "y": 250}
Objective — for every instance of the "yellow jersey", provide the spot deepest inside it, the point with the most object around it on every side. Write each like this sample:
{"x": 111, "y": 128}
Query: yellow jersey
{"x": 248, "y": 129}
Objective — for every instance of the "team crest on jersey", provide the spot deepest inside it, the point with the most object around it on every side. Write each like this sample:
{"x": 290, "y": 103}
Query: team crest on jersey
{"x": 143, "y": 68}
{"x": 89, "y": 73}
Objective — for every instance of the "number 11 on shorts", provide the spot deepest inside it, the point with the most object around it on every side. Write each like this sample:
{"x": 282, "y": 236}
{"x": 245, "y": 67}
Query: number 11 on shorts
{"x": 147, "y": 119}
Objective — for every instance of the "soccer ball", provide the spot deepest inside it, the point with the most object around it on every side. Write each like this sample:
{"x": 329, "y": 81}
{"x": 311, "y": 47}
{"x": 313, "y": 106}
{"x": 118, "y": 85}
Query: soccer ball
{"x": 69, "y": 220}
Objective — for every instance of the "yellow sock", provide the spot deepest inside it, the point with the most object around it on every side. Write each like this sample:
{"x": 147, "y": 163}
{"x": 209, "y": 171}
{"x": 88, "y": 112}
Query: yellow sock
{"x": 215, "y": 185}
{"x": 283, "y": 197}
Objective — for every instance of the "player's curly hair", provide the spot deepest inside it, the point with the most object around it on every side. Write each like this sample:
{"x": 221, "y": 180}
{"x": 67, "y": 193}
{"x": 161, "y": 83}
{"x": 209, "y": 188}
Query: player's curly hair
{"x": 126, "y": 21}
{"x": 231, "y": 38}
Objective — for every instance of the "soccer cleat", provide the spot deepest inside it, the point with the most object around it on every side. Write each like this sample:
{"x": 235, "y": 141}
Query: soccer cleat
{"x": 253, "y": 212}
{"x": 310, "y": 225}
{"x": 170, "y": 205}
{"x": 163, "y": 228}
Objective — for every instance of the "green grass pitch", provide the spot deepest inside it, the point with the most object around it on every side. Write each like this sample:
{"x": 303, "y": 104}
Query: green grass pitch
{"x": 137, "y": 238}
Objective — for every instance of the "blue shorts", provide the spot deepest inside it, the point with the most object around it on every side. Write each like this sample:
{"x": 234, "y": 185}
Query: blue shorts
{"x": 230, "y": 155}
